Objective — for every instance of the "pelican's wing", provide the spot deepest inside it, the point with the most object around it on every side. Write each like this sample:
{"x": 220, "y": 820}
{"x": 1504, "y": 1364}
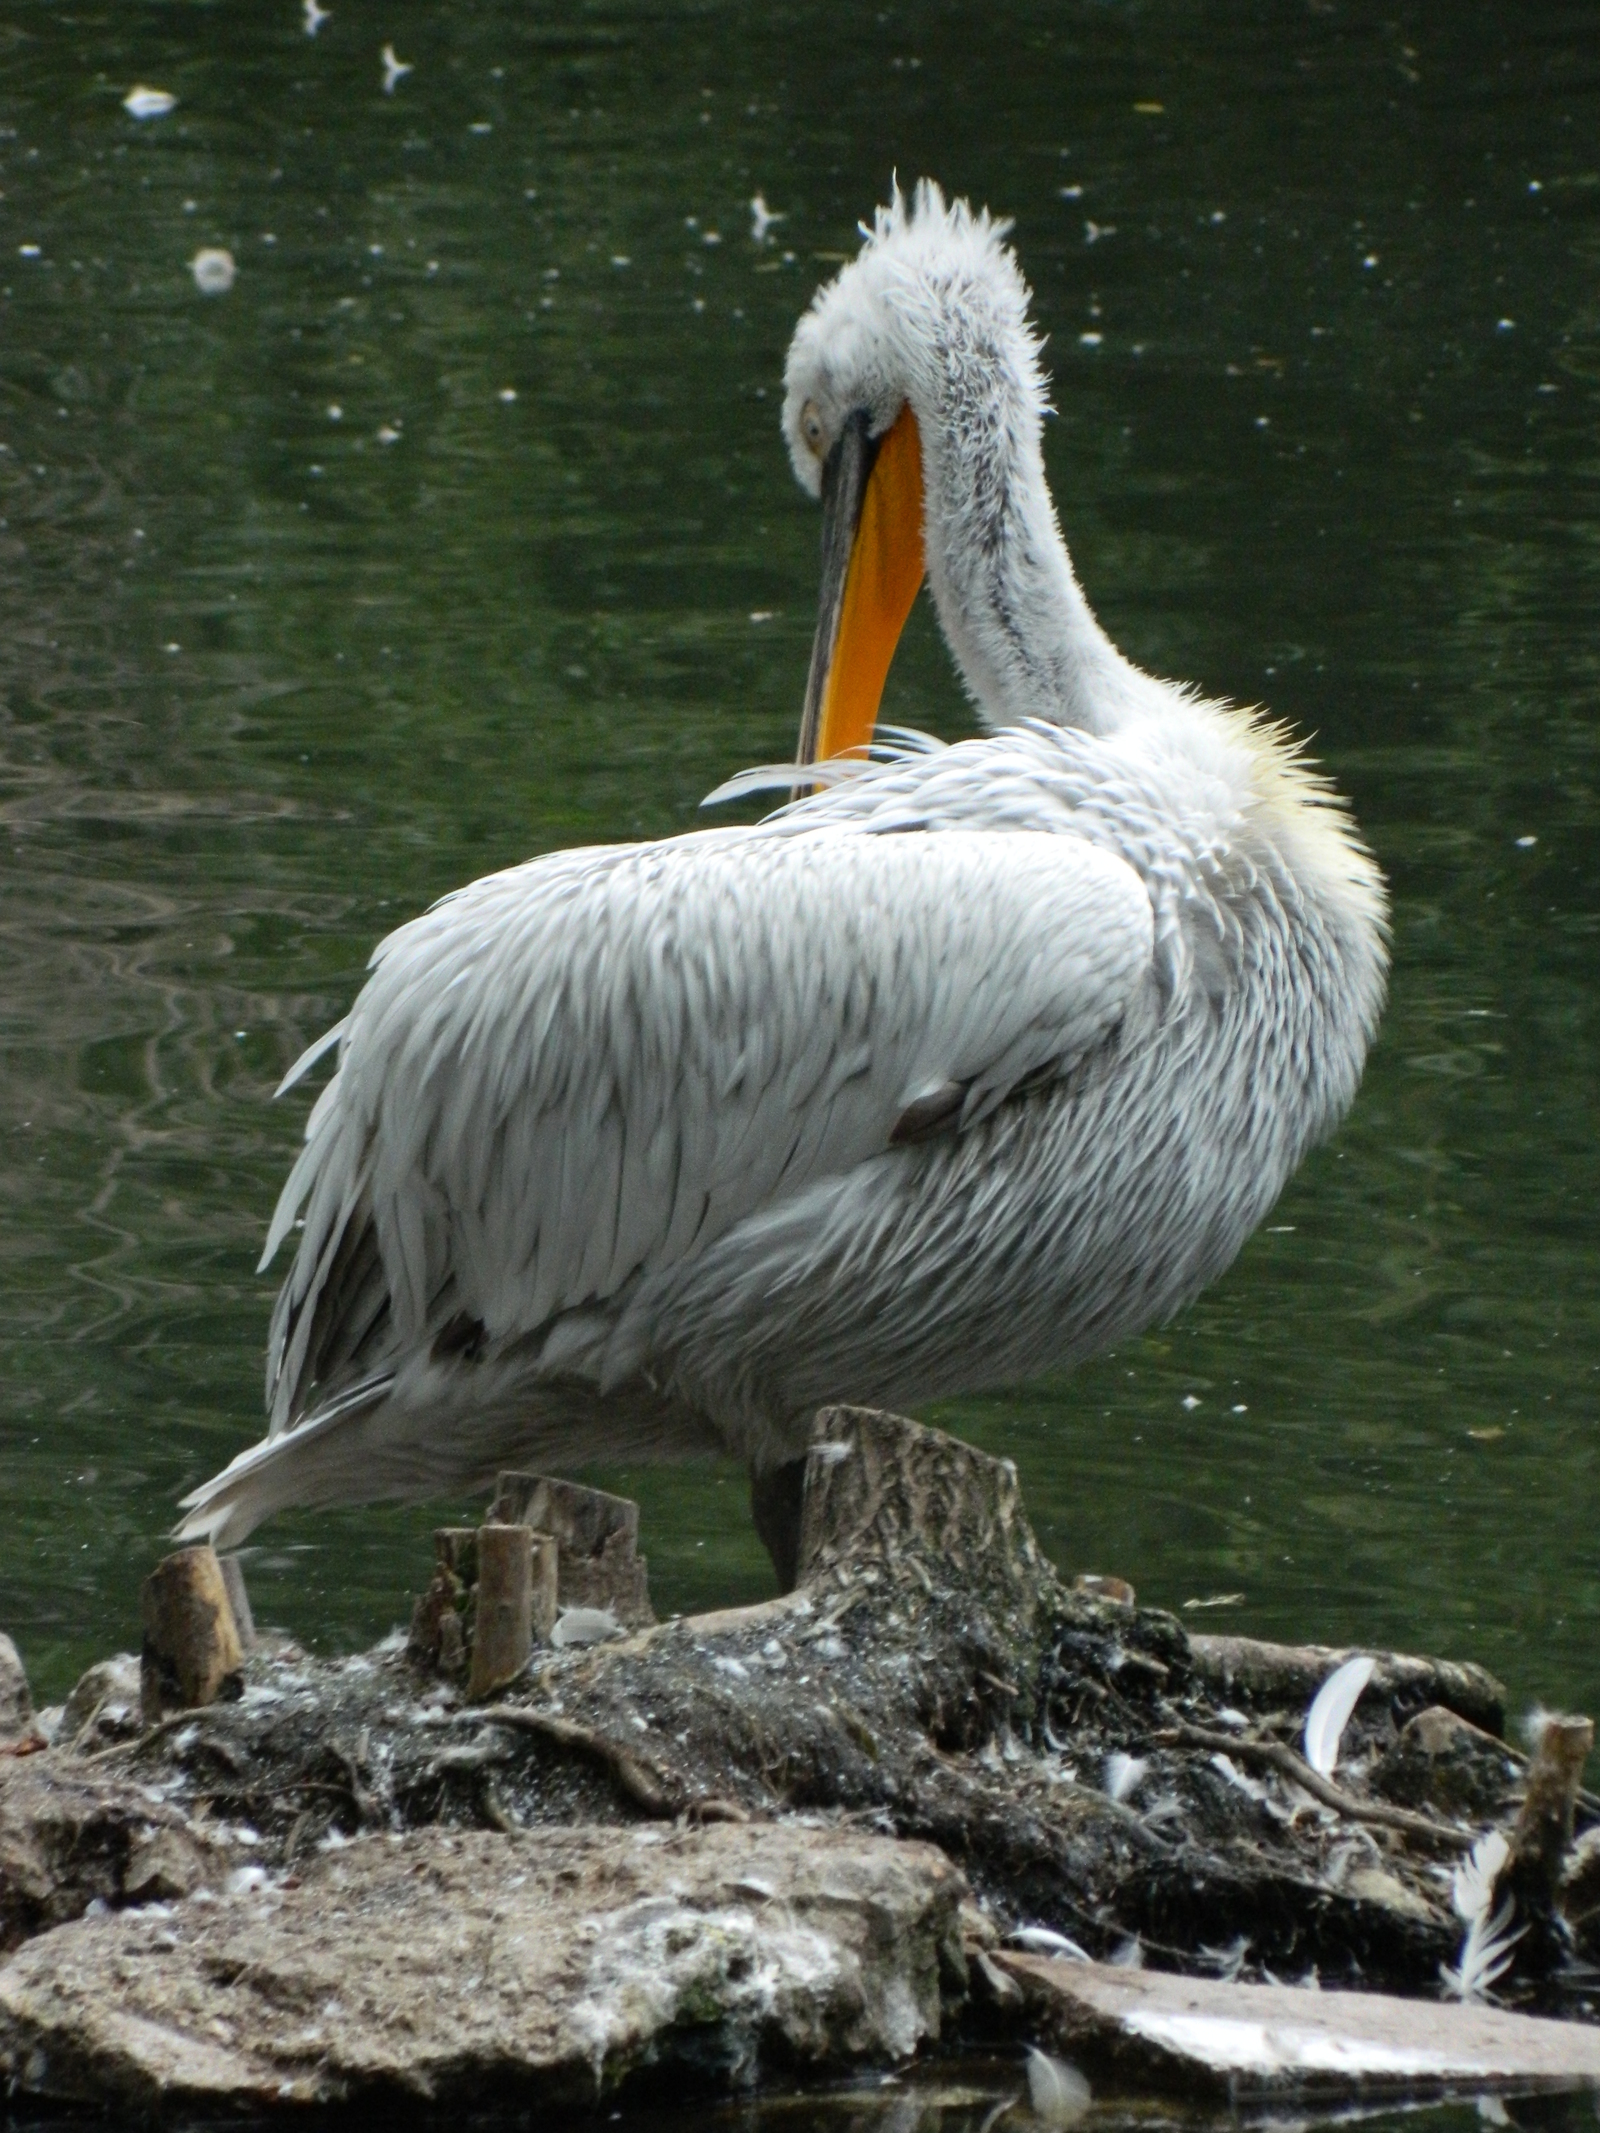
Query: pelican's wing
{"x": 581, "y": 1072}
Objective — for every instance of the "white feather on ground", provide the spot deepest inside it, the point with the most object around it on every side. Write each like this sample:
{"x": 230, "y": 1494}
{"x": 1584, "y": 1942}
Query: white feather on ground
{"x": 1330, "y": 1712}
{"x": 1124, "y": 1774}
{"x": 1489, "y": 1949}
{"x": 584, "y": 1625}
{"x": 1043, "y": 1940}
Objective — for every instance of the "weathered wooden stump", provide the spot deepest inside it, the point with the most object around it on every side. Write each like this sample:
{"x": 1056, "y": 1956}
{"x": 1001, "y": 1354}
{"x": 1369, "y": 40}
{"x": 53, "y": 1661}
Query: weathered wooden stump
{"x": 879, "y": 1488}
{"x": 191, "y": 1653}
{"x": 239, "y": 1600}
{"x": 1540, "y": 1841}
{"x": 504, "y": 1618}
{"x": 598, "y": 1563}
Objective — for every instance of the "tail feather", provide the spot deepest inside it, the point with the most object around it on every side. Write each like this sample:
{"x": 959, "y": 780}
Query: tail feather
{"x": 428, "y": 1430}
{"x": 303, "y": 1465}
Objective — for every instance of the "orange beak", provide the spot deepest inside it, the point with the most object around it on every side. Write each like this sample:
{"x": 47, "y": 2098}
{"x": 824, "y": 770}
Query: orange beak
{"x": 872, "y": 565}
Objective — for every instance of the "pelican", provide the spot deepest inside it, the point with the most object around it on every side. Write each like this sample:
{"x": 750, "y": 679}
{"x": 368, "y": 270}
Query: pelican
{"x": 966, "y": 1063}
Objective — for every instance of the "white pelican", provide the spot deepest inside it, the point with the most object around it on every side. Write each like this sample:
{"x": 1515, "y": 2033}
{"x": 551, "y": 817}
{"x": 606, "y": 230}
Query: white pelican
{"x": 964, "y": 1066}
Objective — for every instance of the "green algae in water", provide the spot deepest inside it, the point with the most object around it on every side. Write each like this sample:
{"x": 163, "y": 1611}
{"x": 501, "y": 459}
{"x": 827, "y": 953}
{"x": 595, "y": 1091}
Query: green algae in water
{"x": 459, "y": 528}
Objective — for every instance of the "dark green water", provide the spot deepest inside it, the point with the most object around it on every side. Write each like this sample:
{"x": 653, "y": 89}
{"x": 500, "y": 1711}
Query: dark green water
{"x": 274, "y": 677}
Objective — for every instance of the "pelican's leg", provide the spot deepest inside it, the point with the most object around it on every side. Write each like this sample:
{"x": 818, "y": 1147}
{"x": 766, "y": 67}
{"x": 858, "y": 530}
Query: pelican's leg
{"x": 776, "y": 1494}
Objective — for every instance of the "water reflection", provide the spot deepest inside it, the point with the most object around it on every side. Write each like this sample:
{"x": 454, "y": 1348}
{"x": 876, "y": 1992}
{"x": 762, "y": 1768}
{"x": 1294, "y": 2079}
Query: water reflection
{"x": 439, "y": 538}
{"x": 982, "y": 2095}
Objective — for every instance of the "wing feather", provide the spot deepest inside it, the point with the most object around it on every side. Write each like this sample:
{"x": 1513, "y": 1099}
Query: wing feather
{"x": 582, "y": 1072}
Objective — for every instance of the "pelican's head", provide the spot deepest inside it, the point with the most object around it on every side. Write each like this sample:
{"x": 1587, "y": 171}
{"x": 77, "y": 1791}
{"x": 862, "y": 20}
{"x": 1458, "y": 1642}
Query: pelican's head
{"x": 913, "y": 403}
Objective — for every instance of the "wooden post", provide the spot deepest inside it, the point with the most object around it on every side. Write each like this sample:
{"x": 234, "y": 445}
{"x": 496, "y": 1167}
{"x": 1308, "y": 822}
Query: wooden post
{"x": 503, "y": 1634}
{"x": 546, "y": 1584}
{"x": 239, "y": 1600}
{"x": 596, "y": 1537}
{"x": 1540, "y": 1840}
{"x": 455, "y": 1548}
{"x": 191, "y": 1652}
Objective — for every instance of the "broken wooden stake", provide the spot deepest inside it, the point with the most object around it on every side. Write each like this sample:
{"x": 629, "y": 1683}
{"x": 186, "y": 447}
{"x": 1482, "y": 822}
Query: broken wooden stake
{"x": 191, "y": 1652}
{"x": 596, "y": 1539}
{"x": 239, "y": 1600}
{"x": 502, "y": 1638}
{"x": 1541, "y": 1838}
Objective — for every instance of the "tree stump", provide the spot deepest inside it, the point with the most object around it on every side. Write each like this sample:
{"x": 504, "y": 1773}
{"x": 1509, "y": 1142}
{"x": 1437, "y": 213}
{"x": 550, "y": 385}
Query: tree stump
{"x": 880, "y": 1488}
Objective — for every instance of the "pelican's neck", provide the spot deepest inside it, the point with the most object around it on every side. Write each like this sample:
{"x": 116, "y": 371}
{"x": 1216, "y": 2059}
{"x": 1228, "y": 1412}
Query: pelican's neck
{"x": 1023, "y": 635}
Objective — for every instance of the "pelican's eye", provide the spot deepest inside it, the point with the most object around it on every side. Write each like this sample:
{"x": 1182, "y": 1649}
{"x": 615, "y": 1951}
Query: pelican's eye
{"x": 811, "y": 428}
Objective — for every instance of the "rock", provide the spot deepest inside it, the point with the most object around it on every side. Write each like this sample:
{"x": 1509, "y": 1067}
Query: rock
{"x": 1199, "y": 2035}
{"x": 71, "y": 1837}
{"x": 106, "y": 1700}
{"x": 459, "y": 1967}
{"x": 16, "y": 1704}
{"x": 16, "y": 1699}
{"x": 1441, "y": 1761}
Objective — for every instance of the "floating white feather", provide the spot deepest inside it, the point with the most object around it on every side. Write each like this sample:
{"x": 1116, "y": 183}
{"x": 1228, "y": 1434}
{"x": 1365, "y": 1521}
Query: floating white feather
{"x": 1330, "y": 1712}
{"x": 1058, "y": 2093}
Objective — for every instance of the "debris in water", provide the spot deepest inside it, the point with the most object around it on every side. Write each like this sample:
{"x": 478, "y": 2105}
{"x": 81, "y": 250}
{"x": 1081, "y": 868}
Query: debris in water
{"x": 1330, "y": 1712}
{"x": 143, "y": 103}
{"x": 213, "y": 270}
